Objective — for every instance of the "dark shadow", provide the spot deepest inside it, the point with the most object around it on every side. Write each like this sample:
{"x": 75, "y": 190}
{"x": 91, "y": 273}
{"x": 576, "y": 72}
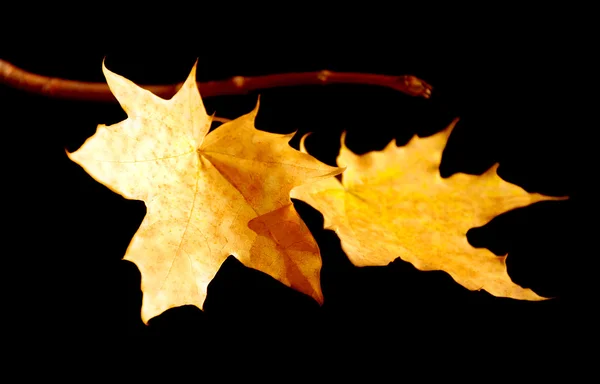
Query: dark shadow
{"x": 247, "y": 303}
{"x": 539, "y": 246}
{"x": 186, "y": 324}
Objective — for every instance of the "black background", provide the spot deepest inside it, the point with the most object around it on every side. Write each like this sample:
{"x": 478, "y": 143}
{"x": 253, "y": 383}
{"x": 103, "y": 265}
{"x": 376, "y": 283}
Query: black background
{"x": 524, "y": 98}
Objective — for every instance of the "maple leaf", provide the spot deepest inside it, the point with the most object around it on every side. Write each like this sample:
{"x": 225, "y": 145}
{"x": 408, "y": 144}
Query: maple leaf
{"x": 207, "y": 196}
{"x": 394, "y": 203}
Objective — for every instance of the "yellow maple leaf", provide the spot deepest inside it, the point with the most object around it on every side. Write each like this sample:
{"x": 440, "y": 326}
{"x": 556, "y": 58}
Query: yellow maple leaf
{"x": 394, "y": 203}
{"x": 207, "y": 196}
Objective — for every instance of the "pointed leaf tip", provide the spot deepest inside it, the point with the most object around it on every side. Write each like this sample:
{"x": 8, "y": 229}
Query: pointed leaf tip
{"x": 343, "y": 140}
{"x": 446, "y": 132}
{"x": 252, "y": 114}
{"x": 193, "y": 70}
{"x": 257, "y": 103}
{"x": 302, "y": 140}
{"x": 190, "y": 81}
{"x": 492, "y": 171}
{"x": 454, "y": 122}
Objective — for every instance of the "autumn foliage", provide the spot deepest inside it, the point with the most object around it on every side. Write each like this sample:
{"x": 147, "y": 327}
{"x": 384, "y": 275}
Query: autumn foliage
{"x": 207, "y": 196}
{"x": 227, "y": 192}
{"x": 398, "y": 197}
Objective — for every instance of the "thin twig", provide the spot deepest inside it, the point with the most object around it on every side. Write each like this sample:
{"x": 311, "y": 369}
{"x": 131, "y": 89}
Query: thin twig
{"x": 78, "y": 90}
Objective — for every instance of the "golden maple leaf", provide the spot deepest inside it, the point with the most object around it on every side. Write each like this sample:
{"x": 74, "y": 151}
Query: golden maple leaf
{"x": 207, "y": 196}
{"x": 394, "y": 203}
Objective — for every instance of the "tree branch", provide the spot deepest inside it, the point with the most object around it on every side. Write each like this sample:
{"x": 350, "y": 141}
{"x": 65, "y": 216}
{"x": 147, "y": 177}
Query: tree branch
{"x": 78, "y": 90}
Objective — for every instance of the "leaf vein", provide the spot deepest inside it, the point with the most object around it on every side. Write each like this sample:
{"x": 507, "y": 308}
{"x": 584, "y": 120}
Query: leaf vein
{"x": 259, "y": 161}
{"x": 187, "y": 224}
{"x": 143, "y": 161}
